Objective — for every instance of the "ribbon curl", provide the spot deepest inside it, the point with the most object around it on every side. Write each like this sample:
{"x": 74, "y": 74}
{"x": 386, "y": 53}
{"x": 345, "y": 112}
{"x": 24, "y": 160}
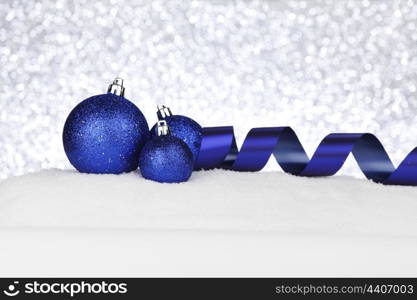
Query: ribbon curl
{"x": 219, "y": 150}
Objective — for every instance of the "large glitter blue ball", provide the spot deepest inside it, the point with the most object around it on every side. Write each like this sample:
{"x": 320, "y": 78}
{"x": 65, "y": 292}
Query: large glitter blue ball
{"x": 186, "y": 129}
{"x": 104, "y": 134}
{"x": 166, "y": 159}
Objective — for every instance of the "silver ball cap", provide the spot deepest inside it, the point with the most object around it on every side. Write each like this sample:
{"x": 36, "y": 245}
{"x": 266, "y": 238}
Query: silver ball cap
{"x": 163, "y": 112}
{"x": 117, "y": 87}
{"x": 162, "y": 128}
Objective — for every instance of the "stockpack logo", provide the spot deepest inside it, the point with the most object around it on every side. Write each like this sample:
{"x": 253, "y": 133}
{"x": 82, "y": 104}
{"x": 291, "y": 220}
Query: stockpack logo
{"x": 12, "y": 289}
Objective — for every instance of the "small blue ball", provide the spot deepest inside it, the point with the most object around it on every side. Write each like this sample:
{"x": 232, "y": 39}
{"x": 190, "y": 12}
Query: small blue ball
{"x": 104, "y": 134}
{"x": 186, "y": 129}
{"x": 166, "y": 159}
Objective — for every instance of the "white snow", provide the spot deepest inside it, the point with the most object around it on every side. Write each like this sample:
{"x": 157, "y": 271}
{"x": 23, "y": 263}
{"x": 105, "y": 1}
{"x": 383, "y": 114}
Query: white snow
{"x": 220, "y": 223}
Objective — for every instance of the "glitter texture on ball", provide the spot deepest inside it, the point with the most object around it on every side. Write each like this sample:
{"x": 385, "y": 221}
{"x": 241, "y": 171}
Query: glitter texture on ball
{"x": 104, "y": 134}
{"x": 186, "y": 129}
{"x": 166, "y": 159}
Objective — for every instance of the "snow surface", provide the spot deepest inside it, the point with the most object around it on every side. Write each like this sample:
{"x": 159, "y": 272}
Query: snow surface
{"x": 220, "y": 223}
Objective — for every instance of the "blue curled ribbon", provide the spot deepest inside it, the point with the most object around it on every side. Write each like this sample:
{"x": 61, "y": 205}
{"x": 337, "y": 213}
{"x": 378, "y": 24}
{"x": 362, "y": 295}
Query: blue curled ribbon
{"x": 219, "y": 150}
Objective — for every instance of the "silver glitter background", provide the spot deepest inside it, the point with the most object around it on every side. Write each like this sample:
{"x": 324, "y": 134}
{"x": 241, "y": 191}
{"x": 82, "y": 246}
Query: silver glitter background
{"x": 318, "y": 66}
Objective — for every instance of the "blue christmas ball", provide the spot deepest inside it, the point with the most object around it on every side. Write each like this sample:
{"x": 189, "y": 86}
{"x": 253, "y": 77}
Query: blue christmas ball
{"x": 105, "y": 134}
{"x": 186, "y": 129}
{"x": 166, "y": 159}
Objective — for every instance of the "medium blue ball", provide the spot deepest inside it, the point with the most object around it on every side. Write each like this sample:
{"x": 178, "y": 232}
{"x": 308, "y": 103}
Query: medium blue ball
{"x": 186, "y": 129}
{"x": 166, "y": 159}
{"x": 104, "y": 134}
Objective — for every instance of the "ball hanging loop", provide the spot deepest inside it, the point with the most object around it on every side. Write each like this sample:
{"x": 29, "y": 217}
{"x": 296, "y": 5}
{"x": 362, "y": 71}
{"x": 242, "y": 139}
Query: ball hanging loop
{"x": 117, "y": 87}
